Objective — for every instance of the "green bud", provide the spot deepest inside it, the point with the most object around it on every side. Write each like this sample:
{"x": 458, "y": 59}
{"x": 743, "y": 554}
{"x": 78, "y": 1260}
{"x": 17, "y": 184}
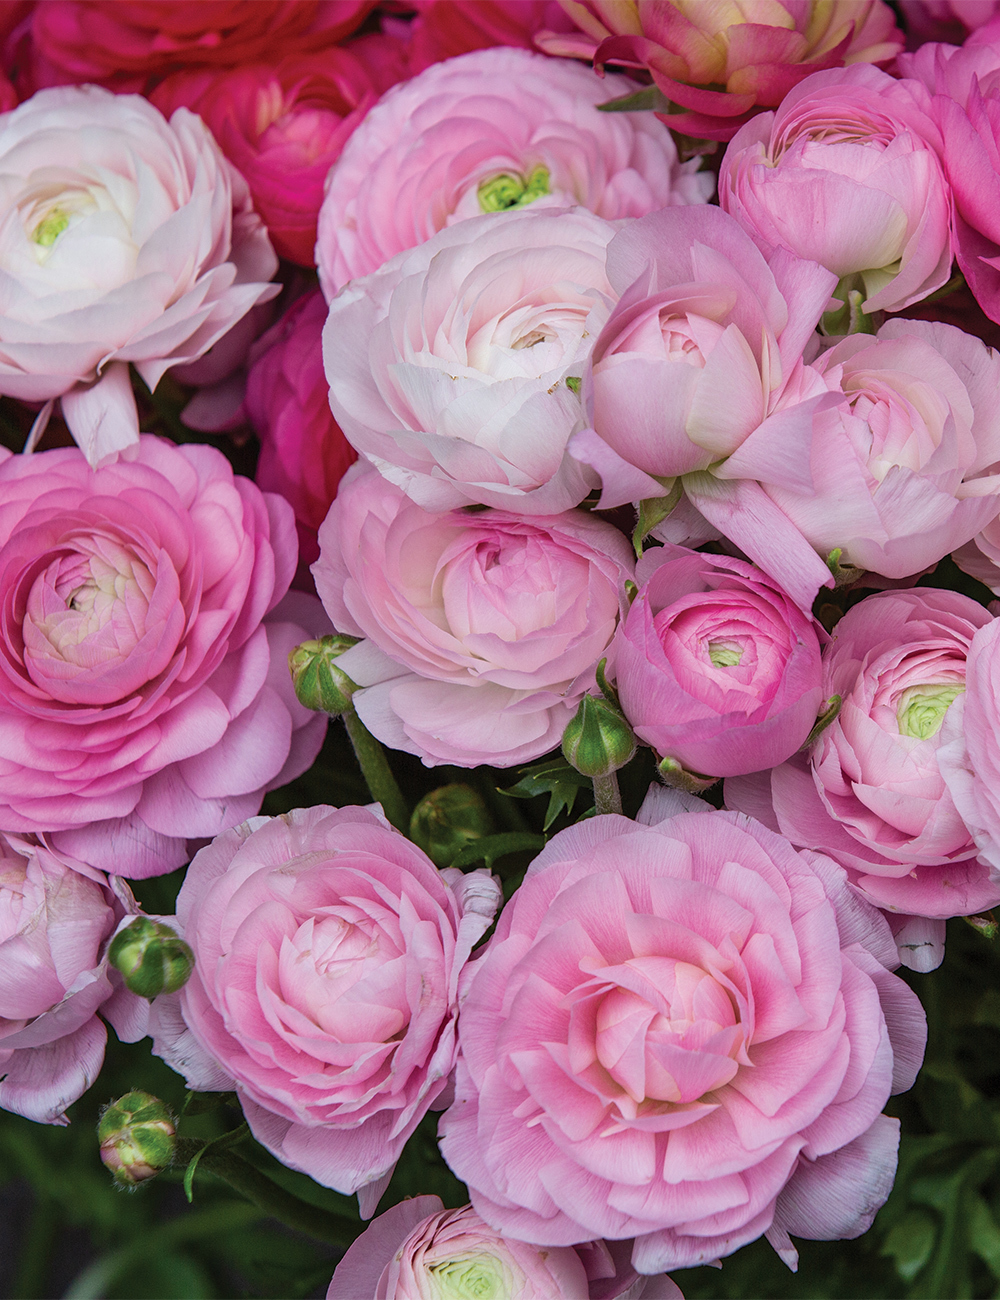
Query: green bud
{"x": 447, "y": 820}
{"x": 319, "y": 683}
{"x": 137, "y": 1138}
{"x": 152, "y": 957}
{"x": 921, "y": 709}
{"x": 597, "y": 740}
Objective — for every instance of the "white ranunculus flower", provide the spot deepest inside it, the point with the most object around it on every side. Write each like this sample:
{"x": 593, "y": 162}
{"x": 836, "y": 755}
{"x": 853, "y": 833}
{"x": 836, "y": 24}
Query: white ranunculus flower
{"x": 123, "y": 238}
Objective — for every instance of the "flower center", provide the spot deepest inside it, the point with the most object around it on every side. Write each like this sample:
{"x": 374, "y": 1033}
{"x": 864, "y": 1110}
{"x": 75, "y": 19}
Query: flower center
{"x": 725, "y": 653}
{"x": 506, "y": 190}
{"x": 50, "y": 228}
{"x": 921, "y": 709}
{"x": 463, "y": 1278}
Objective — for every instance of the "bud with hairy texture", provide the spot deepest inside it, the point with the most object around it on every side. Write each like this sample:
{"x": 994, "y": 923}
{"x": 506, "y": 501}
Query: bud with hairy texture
{"x": 319, "y": 683}
{"x": 448, "y": 819}
{"x": 598, "y": 740}
{"x": 137, "y": 1138}
{"x": 152, "y": 958}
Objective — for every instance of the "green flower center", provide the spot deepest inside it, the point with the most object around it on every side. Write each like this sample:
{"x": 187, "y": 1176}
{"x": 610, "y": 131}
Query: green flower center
{"x": 504, "y": 191}
{"x": 921, "y": 709}
{"x": 50, "y": 228}
{"x": 725, "y": 654}
{"x": 480, "y": 1278}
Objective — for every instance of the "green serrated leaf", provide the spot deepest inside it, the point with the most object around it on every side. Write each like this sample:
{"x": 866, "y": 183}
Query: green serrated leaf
{"x": 492, "y": 847}
{"x": 555, "y": 778}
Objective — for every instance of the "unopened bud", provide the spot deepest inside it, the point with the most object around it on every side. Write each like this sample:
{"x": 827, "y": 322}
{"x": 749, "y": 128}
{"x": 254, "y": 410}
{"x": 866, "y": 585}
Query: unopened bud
{"x": 137, "y": 1138}
{"x": 319, "y": 683}
{"x": 597, "y": 740}
{"x": 152, "y": 958}
{"x": 447, "y": 820}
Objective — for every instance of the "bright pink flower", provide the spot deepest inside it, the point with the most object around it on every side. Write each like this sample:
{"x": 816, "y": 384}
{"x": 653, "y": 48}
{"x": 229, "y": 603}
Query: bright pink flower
{"x": 492, "y": 130}
{"x": 968, "y": 753}
{"x": 412, "y": 1251}
{"x": 865, "y": 198}
{"x": 330, "y": 954}
{"x": 715, "y": 665}
{"x": 756, "y": 52}
{"x": 945, "y": 20}
{"x": 682, "y": 1032}
{"x": 443, "y": 29}
{"x": 54, "y": 924}
{"x": 483, "y": 628}
{"x": 144, "y": 693}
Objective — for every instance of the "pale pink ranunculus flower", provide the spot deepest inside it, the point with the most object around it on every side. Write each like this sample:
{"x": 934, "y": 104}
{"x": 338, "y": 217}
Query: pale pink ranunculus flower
{"x": 56, "y": 917}
{"x": 144, "y": 689}
{"x": 492, "y": 130}
{"x": 418, "y": 1250}
{"x": 846, "y": 174}
{"x": 682, "y": 1032}
{"x": 715, "y": 665}
{"x": 123, "y": 238}
{"x": 330, "y": 957}
{"x": 455, "y": 368}
{"x": 483, "y": 628}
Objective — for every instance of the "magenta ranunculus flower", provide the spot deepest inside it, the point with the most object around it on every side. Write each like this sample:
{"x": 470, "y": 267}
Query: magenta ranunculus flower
{"x": 682, "y": 1032}
{"x": 715, "y": 665}
{"x": 330, "y": 954}
{"x": 493, "y": 130}
{"x": 56, "y": 917}
{"x": 144, "y": 690}
{"x": 484, "y": 627}
{"x": 418, "y": 1250}
{"x": 124, "y": 238}
{"x": 846, "y": 174}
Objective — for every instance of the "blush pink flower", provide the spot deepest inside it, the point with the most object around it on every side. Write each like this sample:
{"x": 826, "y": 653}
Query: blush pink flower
{"x": 55, "y": 922}
{"x": 144, "y": 693}
{"x": 682, "y": 1032}
{"x": 418, "y": 1250}
{"x": 715, "y": 665}
{"x": 489, "y": 131}
{"x": 329, "y": 958}
{"x": 483, "y": 628}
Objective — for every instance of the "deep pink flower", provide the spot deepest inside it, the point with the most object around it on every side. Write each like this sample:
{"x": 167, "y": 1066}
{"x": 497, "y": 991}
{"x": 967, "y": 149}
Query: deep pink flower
{"x": 329, "y": 957}
{"x": 682, "y": 1032}
{"x": 444, "y": 29}
{"x": 945, "y": 20}
{"x": 144, "y": 693}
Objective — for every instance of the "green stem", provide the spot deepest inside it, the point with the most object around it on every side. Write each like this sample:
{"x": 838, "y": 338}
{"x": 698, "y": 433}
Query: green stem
{"x": 607, "y": 797}
{"x": 377, "y": 773}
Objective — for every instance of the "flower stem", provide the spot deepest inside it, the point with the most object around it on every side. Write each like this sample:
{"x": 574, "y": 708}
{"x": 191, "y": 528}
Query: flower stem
{"x": 607, "y": 798}
{"x": 376, "y": 771}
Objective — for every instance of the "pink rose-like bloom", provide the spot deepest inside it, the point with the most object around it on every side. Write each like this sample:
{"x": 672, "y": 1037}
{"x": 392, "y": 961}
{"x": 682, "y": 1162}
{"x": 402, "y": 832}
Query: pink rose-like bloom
{"x": 492, "y": 130}
{"x": 330, "y": 954}
{"x": 846, "y": 174}
{"x": 969, "y": 757}
{"x": 412, "y": 1250}
{"x": 683, "y": 1032}
{"x": 450, "y": 367}
{"x": 756, "y": 52}
{"x": 54, "y": 924}
{"x": 715, "y": 665}
{"x": 484, "y": 628}
{"x": 443, "y": 29}
{"x": 124, "y": 238}
{"x": 872, "y": 794}
{"x": 144, "y": 689}
{"x": 945, "y": 20}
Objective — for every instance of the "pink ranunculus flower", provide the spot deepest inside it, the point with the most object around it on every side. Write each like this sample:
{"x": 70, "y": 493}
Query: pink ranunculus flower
{"x": 56, "y": 917}
{"x": 872, "y": 794}
{"x": 968, "y": 753}
{"x": 124, "y": 238}
{"x": 455, "y": 368}
{"x": 722, "y": 63}
{"x": 489, "y": 131}
{"x": 330, "y": 957}
{"x": 846, "y": 174}
{"x": 418, "y": 1250}
{"x": 715, "y": 665}
{"x": 483, "y": 628}
{"x": 944, "y": 20}
{"x": 144, "y": 689}
{"x": 443, "y": 29}
{"x": 682, "y": 1032}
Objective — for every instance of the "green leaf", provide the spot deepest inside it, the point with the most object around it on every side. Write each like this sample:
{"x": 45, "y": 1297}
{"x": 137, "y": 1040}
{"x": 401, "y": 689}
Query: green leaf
{"x": 650, "y": 97}
{"x": 217, "y": 1144}
{"x": 910, "y": 1243}
{"x": 491, "y": 847}
{"x": 984, "y": 1235}
{"x": 654, "y": 510}
{"x": 555, "y": 778}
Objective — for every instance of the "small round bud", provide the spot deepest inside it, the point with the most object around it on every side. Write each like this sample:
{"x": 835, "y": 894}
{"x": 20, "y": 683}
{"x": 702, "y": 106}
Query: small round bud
{"x": 319, "y": 683}
{"x": 448, "y": 819}
{"x": 137, "y": 1138}
{"x": 597, "y": 740}
{"x": 152, "y": 958}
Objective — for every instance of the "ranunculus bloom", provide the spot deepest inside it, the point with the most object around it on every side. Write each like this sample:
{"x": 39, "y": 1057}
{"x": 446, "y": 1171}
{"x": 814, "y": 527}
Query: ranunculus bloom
{"x": 54, "y": 924}
{"x": 329, "y": 958}
{"x": 303, "y": 454}
{"x": 872, "y": 794}
{"x": 492, "y": 130}
{"x": 124, "y": 238}
{"x": 443, "y": 29}
{"x": 682, "y": 1032}
{"x": 144, "y": 689}
{"x": 945, "y": 20}
{"x": 716, "y": 666}
{"x": 846, "y": 173}
{"x": 756, "y": 52}
{"x": 484, "y": 628}
{"x": 968, "y": 754}
{"x": 450, "y": 368}
{"x": 418, "y": 1250}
